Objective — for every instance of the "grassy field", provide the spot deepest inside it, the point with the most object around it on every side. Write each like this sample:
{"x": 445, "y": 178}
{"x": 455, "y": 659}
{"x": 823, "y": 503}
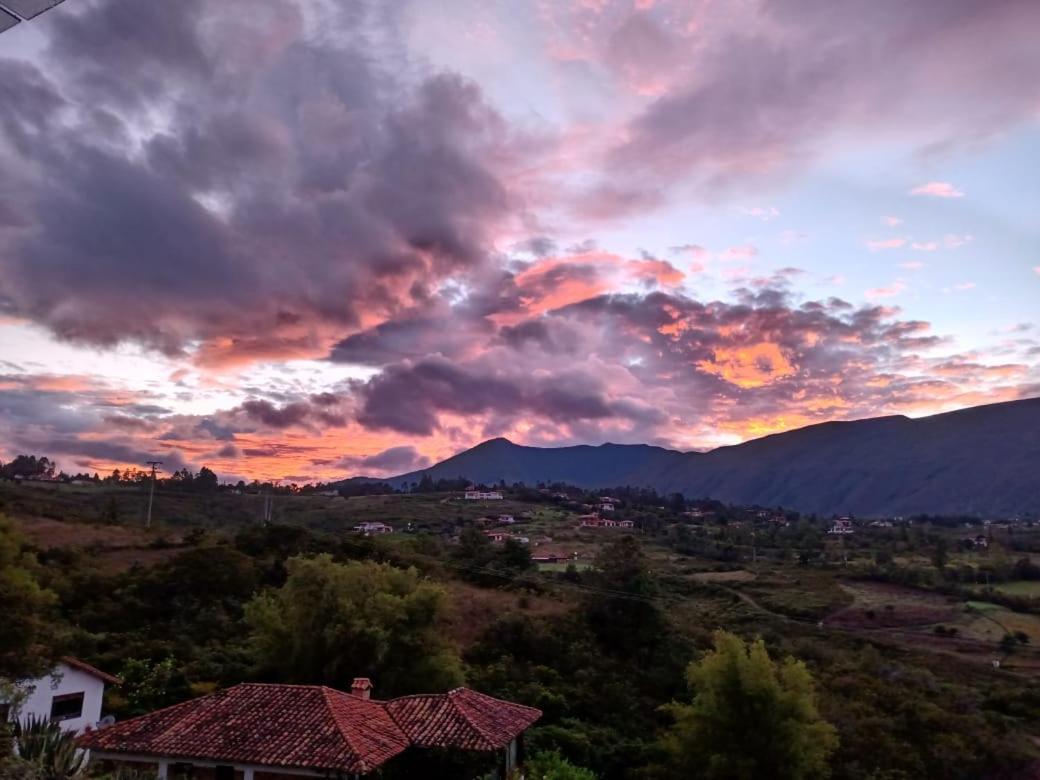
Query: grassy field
{"x": 1028, "y": 588}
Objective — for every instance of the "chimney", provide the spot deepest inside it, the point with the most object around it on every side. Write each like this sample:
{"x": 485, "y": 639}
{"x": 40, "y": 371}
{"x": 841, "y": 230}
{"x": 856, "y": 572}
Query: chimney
{"x": 361, "y": 687}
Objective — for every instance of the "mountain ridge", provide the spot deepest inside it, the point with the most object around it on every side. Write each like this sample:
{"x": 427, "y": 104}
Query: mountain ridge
{"x": 982, "y": 460}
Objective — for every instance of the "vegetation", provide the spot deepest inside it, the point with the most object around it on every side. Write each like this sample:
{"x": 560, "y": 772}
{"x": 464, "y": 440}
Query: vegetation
{"x": 750, "y": 717}
{"x": 333, "y": 621}
{"x": 869, "y": 658}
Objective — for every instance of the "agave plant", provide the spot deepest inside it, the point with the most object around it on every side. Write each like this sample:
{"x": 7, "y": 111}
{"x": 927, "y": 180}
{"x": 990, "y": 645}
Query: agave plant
{"x": 52, "y": 751}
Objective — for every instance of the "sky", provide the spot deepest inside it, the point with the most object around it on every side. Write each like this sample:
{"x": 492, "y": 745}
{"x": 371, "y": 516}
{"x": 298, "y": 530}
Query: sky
{"x": 307, "y": 239}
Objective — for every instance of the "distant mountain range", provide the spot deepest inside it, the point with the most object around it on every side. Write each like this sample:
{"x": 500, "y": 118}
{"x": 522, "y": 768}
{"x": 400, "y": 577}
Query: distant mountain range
{"x": 982, "y": 461}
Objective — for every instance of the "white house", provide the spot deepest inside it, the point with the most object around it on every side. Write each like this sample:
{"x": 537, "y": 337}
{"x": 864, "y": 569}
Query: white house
{"x": 373, "y": 528}
{"x": 842, "y": 526}
{"x": 71, "y": 695}
{"x": 482, "y": 495}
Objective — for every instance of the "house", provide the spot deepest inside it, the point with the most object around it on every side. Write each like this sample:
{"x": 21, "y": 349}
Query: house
{"x": 259, "y": 731}
{"x": 506, "y": 520}
{"x": 70, "y": 695}
{"x": 500, "y": 537}
{"x": 842, "y": 526}
{"x": 595, "y": 521}
{"x": 980, "y": 542}
{"x": 606, "y": 506}
{"x": 482, "y": 495}
{"x": 373, "y": 529}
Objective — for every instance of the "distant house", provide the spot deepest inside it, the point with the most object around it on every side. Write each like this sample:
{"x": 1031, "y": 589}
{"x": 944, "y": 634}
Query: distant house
{"x": 980, "y": 542}
{"x": 280, "y": 732}
{"x": 70, "y": 695}
{"x": 500, "y": 537}
{"x": 842, "y": 526}
{"x": 881, "y": 524}
{"x": 606, "y": 506}
{"x": 482, "y": 495}
{"x": 329, "y": 493}
{"x": 373, "y": 529}
{"x": 595, "y": 521}
{"x": 506, "y": 520}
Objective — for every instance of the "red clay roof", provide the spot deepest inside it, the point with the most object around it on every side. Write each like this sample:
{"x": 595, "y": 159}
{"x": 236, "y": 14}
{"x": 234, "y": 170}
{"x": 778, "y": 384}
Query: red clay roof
{"x": 314, "y": 727}
{"x": 83, "y": 666}
{"x": 462, "y": 719}
{"x": 302, "y": 726}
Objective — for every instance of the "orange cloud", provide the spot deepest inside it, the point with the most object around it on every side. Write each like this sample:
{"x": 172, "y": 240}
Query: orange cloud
{"x": 751, "y": 366}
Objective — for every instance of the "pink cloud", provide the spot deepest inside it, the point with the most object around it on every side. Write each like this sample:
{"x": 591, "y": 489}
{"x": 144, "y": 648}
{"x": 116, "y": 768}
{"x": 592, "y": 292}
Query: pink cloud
{"x": 740, "y": 252}
{"x": 925, "y": 246}
{"x": 897, "y": 287}
{"x": 912, "y": 265}
{"x": 938, "y": 189}
{"x": 892, "y": 221}
{"x": 885, "y": 243}
{"x": 764, "y": 214}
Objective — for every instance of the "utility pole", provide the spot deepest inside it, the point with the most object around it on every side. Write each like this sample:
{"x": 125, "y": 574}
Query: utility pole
{"x": 151, "y": 491}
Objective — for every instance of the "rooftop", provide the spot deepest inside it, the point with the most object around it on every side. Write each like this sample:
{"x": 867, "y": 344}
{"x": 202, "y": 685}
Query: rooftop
{"x": 314, "y": 727}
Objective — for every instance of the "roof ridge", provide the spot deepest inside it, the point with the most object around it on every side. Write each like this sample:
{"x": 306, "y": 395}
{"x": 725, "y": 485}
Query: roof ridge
{"x": 451, "y": 697}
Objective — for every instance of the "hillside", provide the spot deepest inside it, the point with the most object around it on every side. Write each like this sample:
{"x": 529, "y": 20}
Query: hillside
{"x": 981, "y": 461}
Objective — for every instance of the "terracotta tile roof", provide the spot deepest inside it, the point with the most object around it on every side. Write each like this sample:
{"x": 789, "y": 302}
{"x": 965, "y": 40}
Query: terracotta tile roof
{"x": 83, "y": 666}
{"x": 302, "y": 726}
{"x": 462, "y": 719}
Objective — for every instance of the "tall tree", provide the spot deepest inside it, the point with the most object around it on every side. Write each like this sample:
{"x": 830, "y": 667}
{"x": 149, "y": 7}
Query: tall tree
{"x": 332, "y": 622}
{"x": 750, "y": 718}
{"x": 25, "y": 609}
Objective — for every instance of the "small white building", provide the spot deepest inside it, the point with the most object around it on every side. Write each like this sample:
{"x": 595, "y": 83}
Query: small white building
{"x": 842, "y": 526}
{"x": 70, "y": 695}
{"x": 482, "y": 495}
{"x": 371, "y": 529}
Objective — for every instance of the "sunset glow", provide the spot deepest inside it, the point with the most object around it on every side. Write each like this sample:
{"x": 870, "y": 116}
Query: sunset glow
{"x": 304, "y": 240}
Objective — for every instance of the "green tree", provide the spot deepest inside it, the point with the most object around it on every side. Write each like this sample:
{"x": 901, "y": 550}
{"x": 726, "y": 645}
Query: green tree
{"x": 552, "y": 766}
{"x": 332, "y": 622}
{"x": 750, "y": 718}
{"x": 26, "y": 640}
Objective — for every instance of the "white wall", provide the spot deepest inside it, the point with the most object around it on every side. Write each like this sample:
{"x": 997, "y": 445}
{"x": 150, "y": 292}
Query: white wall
{"x": 64, "y": 680}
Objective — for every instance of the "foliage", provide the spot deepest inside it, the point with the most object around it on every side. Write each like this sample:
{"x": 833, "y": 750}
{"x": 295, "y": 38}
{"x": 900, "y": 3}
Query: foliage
{"x": 750, "y": 717}
{"x": 25, "y": 606}
{"x": 50, "y": 750}
{"x": 551, "y": 765}
{"x": 332, "y": 622}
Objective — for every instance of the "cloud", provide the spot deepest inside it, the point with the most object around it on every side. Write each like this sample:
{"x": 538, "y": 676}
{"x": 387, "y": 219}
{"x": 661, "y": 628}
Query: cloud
{"x": 881, "y": 244}
{"x": 293, "y": 188}
{"x": 890, "y": 291}
{"x": 892, "y": 221}
{"x": 937, "y": 189}
{"x": 389, "y": 462}
{"x": 925, "y": 246}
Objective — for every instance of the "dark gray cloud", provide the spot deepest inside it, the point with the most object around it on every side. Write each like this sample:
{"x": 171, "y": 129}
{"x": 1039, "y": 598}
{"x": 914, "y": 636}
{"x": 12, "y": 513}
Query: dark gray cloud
{"x": 294, "y": 181}
{"x": 394, "y": 460}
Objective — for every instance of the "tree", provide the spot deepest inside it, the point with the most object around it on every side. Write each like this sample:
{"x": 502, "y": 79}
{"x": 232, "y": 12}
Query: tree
{"x": 332, "y": 622}
{"x": 205, "y": 481}
{"x": 27, "y": 635}
{"x": 750, "y": 717}
{"x": 552, "y": 766}
{"x": 621, "y": 611}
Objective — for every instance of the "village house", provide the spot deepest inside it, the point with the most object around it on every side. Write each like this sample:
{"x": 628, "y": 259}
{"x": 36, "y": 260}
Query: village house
{"x": 256, "y": 731}
{"x": 842, "y": 526}
{"x": 979, "y": 542}
{"x": 500, "y": 537}
{"x": 482, "y": 495}
{"x": 595, "y": 521}
{"x": 506, "y": 520}
{"x": 71, "y": 695}
{"x": 373, "y": 529}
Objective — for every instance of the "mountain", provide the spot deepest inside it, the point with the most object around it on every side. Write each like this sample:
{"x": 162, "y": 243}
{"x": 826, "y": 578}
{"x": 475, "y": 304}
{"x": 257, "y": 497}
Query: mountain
{"x": 982, "y": 461}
